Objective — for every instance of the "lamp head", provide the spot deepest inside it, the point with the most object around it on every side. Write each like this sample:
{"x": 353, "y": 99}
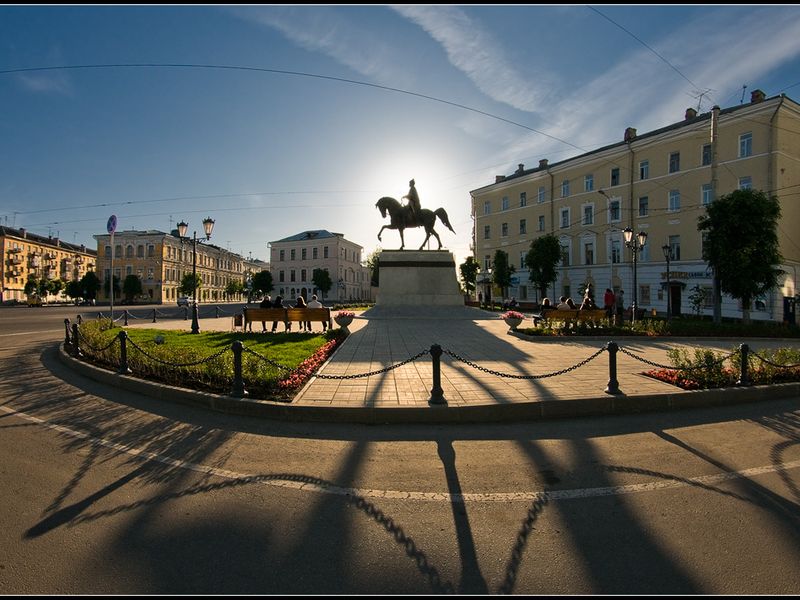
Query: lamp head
{"x": 182, "y": 226}
{"x": 208, "y": 226}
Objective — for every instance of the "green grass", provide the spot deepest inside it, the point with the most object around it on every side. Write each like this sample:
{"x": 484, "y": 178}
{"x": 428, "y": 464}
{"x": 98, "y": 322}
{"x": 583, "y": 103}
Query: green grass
{"x": 188, "y": 360}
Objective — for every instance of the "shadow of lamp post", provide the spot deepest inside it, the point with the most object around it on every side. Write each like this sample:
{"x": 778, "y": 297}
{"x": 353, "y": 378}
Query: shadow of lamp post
{"x": 208, "y": 226}
{"x": 636, "y": 245}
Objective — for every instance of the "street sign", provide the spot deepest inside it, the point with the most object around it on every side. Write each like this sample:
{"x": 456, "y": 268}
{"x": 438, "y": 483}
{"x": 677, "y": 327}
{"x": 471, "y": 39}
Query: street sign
{"x": 112, "y": 224}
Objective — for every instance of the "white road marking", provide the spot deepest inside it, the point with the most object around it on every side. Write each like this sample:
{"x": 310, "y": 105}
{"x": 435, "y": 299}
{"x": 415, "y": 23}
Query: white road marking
{"x": 323, "y": 488}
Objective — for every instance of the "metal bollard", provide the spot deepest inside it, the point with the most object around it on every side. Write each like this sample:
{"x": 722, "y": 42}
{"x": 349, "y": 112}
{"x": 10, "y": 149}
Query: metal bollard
{"x": 154, "y": 315}
{"x": 437, "y": 394}
{"x": 744, "y": 379}
{"x": 613, "y": 384}
{"x": 237, "y": 391}
{"x": 185, "y": 313}
{"x": 76, "y": 349}
{"x": 126, "y": 318}
{"x": 66, "y": 335}
{"x": 123, "y": 353}
{"x": 216, "y": 312}
{"x": 80, "y": 319}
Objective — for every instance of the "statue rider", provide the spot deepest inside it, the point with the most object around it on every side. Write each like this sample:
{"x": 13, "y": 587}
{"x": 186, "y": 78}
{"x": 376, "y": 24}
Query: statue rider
{"x": 413, "y": 203}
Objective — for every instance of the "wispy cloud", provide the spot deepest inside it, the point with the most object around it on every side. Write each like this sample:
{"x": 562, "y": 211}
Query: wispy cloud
{"x": 475, "y": 51}
{"x": 46, "y": 83}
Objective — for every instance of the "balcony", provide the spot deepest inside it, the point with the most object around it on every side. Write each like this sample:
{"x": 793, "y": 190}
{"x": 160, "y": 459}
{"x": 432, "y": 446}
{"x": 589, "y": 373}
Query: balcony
{"x": 14, "y": 250}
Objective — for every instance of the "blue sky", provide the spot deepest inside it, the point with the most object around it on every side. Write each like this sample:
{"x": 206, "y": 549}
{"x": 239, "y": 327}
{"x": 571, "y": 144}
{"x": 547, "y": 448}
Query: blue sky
{"x": 268, "y": 154}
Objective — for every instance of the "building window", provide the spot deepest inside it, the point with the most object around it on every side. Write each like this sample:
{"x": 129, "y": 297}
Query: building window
{"x": 523, "y": 227}
{"x": 616, "y": 251}
{"x": 614, "y": 212}
{"x": 314, "y": 253}
{"x": 588, "y": 253}
{"x": 541, "y": 222}
{"x": 303, "y": 254}
{"x": 504, "y": 203}
{"x": 588, "y": 214}
{"x": 644, "y": 294}
{"x": 487, "y": 208}
{"x": 745, "y": 145}
{"x": 540, "y": 196}
{"x": 281, "y": 276}
{"x": 588, "y": 183}
{"x": 325, "y": 252}
{"x": 129, "y": 251}
{"x": 644, "y": 206}
{"x": 504, "y": 230}
{"x": 644, "y": 169}
{"x": 292, "y": 255}
{"x": 565, "y": 255}
{"x": 523, "y": 199}
{"x": 746, "y": 183}
{"x": 487, "y": 262}
{"x": 675, "y": 246}
{"x": 674, "y": 200}
{"x": 283, "y": 255}
{"x": 706, "y": 155}
{"x": 292, "y": 275}
{"x": 674, "y": 162}
{"x": 487, "y": 232}
{"x": 302, "y": 274}
{"x": 705, "y": 193}
{"x": 565, "y": 188}
{"x": 564, "y": 218}
{"x": 140, "y": 251}
{"x": 615, "y": 176}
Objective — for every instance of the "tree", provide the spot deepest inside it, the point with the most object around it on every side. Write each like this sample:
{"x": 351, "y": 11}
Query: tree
{"x": 31, "y": 286}
{"x": 73, "y": 289}
{"x": 234, "y": 287}
{"x": 322, "y": 281}
{"x": 131, "y": 287}
{"x": 469, "y": 274}
{"x": 90, "y": 285}
{"x": 542, "y": 261}
{"x": 741, "y": 244}
{"x": 697, "y": 299}
{"x": 502, "y": 271}
{"x": 372, "y": 265}
{"x": 117, "y": 289}
{"x": 189, "y": 283}
{"x": 54, "y": 286}
{"x": 262, "y": 283}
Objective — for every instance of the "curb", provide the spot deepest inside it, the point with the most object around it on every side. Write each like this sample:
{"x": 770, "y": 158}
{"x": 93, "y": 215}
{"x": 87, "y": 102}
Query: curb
{"x": 436, "y": 414}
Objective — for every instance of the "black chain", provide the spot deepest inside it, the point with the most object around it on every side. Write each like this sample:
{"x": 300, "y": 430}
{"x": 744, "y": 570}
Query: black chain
{"x": 86, "y": 343}
{"x": 673, "y": 368}
{"x": 774, "y": 364}
{"x": 164, "y": 362}
{"x": 267, "y": 360}
{"x": 511, "y": 376}
{"x": 384, "y": 370}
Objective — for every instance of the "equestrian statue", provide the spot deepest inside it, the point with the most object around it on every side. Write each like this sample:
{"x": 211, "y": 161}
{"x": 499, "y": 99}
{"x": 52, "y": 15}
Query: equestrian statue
{"x": 411, "y": 215}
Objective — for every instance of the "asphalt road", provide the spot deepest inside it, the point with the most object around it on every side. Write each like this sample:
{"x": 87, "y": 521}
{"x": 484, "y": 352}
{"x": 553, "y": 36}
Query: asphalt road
{"x": 105, "y": 492}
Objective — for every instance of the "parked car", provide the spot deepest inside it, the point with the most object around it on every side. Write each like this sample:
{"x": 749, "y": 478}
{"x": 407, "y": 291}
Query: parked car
{"x": 185, "y": 300}
{"x": 84, "y": 302}
{"x": 34, "y": 300}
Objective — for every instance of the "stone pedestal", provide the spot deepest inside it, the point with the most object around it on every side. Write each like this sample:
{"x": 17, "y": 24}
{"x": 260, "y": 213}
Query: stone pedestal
{"x": 421, "y": 278}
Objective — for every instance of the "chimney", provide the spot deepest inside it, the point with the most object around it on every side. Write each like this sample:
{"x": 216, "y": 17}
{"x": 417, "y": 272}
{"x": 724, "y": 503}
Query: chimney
{"x": 23, "y": 233}
{"x": 630, "y": 134}
{"x": 520, "y": 168}
{"x": 690, "y": 113}
{"x": 83, "y": 248}
{"x": 757, "y": 96}
{"x": 543, "y": 163}
{"x": 499, "y": 178}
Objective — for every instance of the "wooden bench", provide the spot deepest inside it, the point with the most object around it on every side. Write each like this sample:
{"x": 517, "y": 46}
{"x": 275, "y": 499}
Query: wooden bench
{"x": 594, "y": 315}
{"x": 286, "y": 316}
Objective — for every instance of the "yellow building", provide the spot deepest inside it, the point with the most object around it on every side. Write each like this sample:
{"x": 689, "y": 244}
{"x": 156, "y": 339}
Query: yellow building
{"x": 160, "y": 260}
{"x": 26, "y": 254}
{"x": 658, "y": 183}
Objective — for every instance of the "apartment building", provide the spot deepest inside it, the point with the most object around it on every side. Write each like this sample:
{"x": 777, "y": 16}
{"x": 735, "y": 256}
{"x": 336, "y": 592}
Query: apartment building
{"x": 161, "y": 260}
{"x": 293, "y": 260}
{"x": 25, "y": 254}
{"x": 658, "y": 183}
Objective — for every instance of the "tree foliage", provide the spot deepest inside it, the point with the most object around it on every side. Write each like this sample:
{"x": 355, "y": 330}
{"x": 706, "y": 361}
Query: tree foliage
{"x": 741, "y": 244}
{"x": 502, "y": 271}
{"x": 261, "y": 283}
{"x": 131, "y": 287}
{"x": 542, "y": 261}
{"x": 322, "y": 281}
{"x": 469, "y": 274}
{"x": 372, "y": 264}
{"x": 189, "y": 283}
{"x": 90, "y": 285}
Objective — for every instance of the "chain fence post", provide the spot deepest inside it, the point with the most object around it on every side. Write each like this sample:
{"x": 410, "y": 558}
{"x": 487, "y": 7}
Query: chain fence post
{"x": 123, "y": 353}
{"x": 238, "y": 390}
{"x": 154, "y": 315}
{"x": 67, "y": 341}
{"x": 79, "y": 319}
{"x": 613, "y": 384}
{"x": 126, "y": 317}
{"x": 216, "y": 312}
{"x": 185, "y": 313}
{"x": 76, "y": 349}
{"x": 437, "y": 394}
{"x": 744, "y": 379}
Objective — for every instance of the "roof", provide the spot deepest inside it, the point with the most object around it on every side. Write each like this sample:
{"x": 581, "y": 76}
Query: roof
{"x": 46, "y": 241}
{"x": 317, "y": 234}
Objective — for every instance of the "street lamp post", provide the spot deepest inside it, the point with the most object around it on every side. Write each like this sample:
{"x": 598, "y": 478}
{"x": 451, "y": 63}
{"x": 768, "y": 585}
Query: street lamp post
{"x": 636, "y": 245}
{"x": 208, "y": 226}
{"x": 667, "y": 249}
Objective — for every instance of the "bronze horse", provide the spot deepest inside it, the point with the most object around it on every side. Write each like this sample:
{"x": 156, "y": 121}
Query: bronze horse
{"x": 401, "y": 219}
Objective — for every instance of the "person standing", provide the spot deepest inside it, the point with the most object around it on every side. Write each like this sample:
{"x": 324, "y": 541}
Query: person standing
{"x": 608, "y": 303}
